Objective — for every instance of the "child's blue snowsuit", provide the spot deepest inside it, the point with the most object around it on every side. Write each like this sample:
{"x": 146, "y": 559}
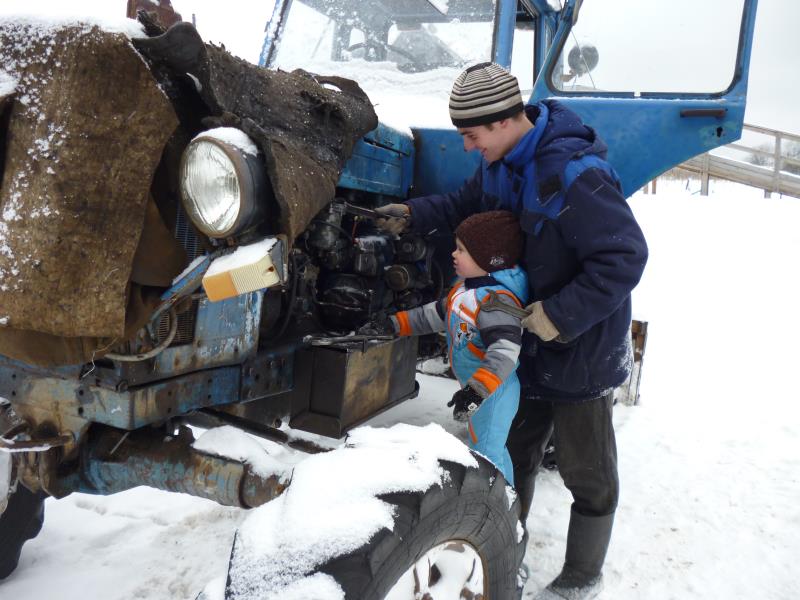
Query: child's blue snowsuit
{"x": 483, "y": 347}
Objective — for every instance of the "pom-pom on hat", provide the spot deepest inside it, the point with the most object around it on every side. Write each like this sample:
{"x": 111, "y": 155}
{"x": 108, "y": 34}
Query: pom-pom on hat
{"x": 483, "y": 94}
{"x": 493, "y": 239}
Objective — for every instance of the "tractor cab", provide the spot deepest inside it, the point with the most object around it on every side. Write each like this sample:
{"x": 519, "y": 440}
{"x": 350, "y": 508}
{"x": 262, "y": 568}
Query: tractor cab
{"x": 604, "y": 60}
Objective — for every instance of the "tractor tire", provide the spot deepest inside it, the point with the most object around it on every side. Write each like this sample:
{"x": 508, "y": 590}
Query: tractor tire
{"x": 472, "y": 507}
{"x": 21, "y": 521}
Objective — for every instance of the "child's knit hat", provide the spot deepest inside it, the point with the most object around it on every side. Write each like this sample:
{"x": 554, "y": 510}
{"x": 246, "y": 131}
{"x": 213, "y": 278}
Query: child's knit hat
{"x": 493, "y": 239}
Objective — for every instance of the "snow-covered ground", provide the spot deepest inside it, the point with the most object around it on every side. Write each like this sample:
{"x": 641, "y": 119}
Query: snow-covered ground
{"x": 709, "y": 461}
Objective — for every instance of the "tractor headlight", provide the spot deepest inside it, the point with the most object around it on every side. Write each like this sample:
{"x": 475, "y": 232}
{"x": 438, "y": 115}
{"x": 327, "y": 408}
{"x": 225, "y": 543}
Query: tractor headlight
{"x": 221, "y": 183}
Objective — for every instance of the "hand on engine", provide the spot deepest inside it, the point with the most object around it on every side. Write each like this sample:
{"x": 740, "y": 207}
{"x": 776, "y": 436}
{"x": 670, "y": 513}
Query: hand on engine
{"x": 397, "y": 218}
{"x": 380, "y": 324}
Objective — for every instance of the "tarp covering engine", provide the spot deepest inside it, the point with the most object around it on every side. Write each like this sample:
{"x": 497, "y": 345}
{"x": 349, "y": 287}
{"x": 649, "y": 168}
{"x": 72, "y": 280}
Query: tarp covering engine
{"x": 84, "y": 135}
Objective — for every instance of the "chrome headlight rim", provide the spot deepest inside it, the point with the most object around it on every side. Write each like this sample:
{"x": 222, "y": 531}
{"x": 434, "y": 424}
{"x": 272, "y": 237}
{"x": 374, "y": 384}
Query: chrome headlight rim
{"x": 250, "y": 176}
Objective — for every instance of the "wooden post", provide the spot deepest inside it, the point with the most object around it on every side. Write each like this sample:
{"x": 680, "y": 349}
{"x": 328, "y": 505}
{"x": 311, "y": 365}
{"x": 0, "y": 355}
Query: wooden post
{"x": 776, "y": 178}
{"x": 704, "y": 176}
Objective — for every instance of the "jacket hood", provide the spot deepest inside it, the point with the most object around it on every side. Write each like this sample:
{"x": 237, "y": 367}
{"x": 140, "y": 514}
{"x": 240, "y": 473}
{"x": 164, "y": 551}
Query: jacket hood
{"x": 516, "y": 280}
{"x": 560, "y": 135}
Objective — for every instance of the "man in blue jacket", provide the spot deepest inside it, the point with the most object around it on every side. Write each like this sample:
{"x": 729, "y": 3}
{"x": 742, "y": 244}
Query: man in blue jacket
{"x": 584, "y": 254}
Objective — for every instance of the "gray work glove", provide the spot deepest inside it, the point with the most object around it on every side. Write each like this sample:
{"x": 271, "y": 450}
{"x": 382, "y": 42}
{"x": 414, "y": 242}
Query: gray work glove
{"x": 538, "y": 323}
{"x": 397, "y": 218}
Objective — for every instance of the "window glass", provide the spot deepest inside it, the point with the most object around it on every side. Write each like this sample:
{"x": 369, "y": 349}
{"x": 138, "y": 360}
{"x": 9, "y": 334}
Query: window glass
{"x": 522, "y": 53}
{"x": 651, "y": 46}
{"x": 404, "y": 53}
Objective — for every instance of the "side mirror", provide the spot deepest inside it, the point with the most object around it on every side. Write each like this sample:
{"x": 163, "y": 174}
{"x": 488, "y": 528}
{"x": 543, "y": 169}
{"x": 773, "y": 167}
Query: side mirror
{"x": 582, "y": 59}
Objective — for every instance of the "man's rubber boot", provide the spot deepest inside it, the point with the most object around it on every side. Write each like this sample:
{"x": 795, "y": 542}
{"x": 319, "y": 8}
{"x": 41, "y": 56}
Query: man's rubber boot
{"x": 581, "y": 577}
{"x": 524, "y": 486}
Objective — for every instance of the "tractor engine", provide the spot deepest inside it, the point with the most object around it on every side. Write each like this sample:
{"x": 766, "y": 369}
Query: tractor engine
{"x": 354, "y": 271}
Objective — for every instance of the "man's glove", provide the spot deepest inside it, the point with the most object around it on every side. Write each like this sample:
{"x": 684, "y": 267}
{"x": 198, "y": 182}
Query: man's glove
{"x": 396, "y": 218}
{"x": 465, "y": 402}
{"x": 539, "y": 323}
{"x": 380, "y": 324}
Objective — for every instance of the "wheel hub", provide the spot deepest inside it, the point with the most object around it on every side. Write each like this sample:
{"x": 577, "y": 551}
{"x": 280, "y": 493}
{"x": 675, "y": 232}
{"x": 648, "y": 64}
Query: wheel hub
{"x": 450, "y": 571}
{"x": 5, "y": 479}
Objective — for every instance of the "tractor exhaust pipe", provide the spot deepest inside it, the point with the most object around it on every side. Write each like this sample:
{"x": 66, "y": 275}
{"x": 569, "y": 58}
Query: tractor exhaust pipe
{"x": 113, "y": 461}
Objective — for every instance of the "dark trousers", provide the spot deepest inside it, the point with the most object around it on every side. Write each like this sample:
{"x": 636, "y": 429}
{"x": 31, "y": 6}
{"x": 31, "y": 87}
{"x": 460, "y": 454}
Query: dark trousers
{"x": 586, "y": 451}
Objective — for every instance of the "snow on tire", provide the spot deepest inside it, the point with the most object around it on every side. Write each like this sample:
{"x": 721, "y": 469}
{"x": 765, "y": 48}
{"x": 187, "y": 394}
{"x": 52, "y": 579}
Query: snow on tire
{"x": 395, "y": 514}
{"x": 469, "y": 515}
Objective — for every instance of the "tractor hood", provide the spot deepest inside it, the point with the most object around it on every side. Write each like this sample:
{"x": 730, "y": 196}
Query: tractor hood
{"x": 85, "y": 117}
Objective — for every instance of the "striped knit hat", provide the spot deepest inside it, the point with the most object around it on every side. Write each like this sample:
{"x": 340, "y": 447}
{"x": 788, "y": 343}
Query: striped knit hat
{"x": 483, "y": 94}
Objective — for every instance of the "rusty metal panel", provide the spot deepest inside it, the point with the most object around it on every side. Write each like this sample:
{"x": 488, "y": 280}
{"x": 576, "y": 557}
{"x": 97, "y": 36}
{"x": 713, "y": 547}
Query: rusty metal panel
{"x": 225, "y": 333}
{"x": 123, "y": 408}
{"x": 339, "y": 386}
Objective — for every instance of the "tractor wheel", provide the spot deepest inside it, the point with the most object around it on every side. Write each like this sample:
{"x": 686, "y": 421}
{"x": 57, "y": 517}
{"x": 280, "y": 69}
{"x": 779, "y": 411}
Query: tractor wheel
{"x": 459, "y": 541}
{"x": 21, "y": 521}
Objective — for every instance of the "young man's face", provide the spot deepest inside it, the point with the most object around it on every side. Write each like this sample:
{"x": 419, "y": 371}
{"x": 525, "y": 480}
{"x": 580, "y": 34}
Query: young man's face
{"x": 493, "y": 144}
{"x": 464, "y": 264}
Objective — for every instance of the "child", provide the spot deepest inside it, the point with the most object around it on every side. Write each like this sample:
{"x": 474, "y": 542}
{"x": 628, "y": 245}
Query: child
{"x": 483, "y": 345}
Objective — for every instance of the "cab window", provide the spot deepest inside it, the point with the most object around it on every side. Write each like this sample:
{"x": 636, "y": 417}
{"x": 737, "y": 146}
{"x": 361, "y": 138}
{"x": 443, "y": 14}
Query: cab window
{"x": 651, "y": 47}
{"x": 523, "y": 51}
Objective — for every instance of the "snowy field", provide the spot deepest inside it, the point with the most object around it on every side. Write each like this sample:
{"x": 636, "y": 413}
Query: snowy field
{"x": 709, "y": 461}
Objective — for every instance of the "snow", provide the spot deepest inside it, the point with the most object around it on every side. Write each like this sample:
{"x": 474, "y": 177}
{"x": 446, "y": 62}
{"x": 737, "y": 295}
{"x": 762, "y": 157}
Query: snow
{"x": 229, "y": 442}
{"x": 71, "y": 16}
{"x": 330, "y": 508}
{"x": 191, "y": 267}
{"x": 7, "y": 83}
{"x": 440, "y": 5}
{"x": 230, "y": 135}
{"x": 243, "y": 255}
{"x": 708, "y": 462}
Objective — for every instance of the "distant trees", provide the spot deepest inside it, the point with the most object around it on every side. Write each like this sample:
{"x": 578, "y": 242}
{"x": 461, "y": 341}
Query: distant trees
{"x": 788, "y": 150}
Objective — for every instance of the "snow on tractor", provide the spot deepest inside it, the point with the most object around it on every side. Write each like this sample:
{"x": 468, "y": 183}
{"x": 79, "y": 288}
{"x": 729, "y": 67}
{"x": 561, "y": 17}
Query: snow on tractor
{"x": 187, "y": 241}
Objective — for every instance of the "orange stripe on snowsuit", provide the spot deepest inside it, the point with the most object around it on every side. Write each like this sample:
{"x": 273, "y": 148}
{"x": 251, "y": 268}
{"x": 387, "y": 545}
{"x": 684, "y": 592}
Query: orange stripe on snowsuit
{"x": 472, "y": 435}
{"x": 475, "y": 350}
{"x": 490, "y": 381}
{"x": 452, "y": 293}
{"x": 402, "y": 320}
{"x": 468, "y": 312}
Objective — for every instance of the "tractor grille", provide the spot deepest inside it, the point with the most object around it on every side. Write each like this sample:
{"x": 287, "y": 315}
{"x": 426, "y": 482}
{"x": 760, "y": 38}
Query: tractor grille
{"x": 186, "y": 320}
{"x": 185, "y": 234}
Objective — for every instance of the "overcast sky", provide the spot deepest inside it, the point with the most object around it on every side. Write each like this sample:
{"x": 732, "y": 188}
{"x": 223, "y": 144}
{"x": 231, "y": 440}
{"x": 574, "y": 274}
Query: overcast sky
{"x": 774, "y": 73}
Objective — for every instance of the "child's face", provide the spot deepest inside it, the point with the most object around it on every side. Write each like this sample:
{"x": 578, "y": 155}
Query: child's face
{"x": 463, "y": 263}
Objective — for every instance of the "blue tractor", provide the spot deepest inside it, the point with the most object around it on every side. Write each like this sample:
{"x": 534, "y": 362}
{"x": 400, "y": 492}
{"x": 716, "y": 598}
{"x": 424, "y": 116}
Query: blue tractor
{"x": 236, "y": 200}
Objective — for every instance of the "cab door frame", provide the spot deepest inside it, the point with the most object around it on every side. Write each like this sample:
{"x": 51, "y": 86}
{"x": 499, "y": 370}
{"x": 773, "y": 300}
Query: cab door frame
{"x": 651, "y": 132}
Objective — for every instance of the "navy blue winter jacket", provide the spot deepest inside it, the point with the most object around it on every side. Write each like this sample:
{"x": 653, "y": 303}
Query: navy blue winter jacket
{"x": 584, "y": 251}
